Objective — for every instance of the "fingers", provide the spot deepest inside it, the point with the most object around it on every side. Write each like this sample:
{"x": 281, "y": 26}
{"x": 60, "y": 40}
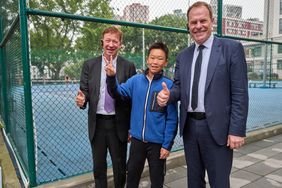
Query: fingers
{"x": 163, "y": 95}
{"x": 164, "y": 153}
{"x": 235, "y": 142}
{"x": 80, "y": 93}
{"x": 109, "y": 68}
{"x": 129, "y": 138}
{"x": 80, "y": 98}
{"x": 110, "y": 61}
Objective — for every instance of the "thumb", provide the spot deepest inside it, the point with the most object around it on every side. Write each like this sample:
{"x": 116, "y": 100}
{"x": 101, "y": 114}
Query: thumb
{"x": 228, "y": 142}
{"x": 164, "y": 87}
{"x": 80, "y": 93}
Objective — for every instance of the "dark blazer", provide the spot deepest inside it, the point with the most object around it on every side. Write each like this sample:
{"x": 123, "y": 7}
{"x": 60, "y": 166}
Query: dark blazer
{"x": 226, "y": 91}
{"x": 90, "y": 86}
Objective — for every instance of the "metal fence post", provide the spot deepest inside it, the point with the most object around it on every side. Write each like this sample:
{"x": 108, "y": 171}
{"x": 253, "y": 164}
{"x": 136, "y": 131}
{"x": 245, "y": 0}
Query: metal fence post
{"x": 5, "y": 109}
{"x": 27, "y": 93}
{"x": 219, "y": 18}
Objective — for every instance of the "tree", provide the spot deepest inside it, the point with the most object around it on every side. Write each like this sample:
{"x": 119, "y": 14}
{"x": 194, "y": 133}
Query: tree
{"x": 53, "y": 40}
{"x": 73, "y": 69}
{"x": 90, "y": 32}
{"x": 8, "y": 12}
{"x": 174, "y": 41}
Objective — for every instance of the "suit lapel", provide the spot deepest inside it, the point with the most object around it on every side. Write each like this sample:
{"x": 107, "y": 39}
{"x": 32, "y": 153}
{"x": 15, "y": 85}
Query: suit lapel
{"x": 188, "y": 66}
{"x": 214, "y": 59}
{"x": 119, "y": 69}
{"x": 97, "y": 71}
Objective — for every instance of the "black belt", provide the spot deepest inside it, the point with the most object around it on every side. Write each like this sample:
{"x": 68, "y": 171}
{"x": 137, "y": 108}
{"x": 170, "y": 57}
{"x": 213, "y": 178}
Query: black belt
{"x": 197, "y": 115}
{"x": 102, "y": 116}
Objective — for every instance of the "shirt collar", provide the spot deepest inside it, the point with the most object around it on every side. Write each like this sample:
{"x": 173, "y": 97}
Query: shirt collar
{"x": 207, "y": 43}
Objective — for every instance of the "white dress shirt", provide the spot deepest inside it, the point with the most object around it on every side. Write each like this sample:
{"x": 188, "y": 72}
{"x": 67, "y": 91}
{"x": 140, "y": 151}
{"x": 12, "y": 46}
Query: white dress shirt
{"x": 101, "y": 102}
{"x": 204, "y": 67}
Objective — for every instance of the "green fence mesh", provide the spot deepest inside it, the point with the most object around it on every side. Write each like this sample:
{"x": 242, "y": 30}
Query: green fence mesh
{"x": 58, "y": 46}
{"x": 16, "y": 96}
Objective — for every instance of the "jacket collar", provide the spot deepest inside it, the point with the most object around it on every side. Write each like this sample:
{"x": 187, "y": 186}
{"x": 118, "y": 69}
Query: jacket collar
{"x": 156, "y": 76}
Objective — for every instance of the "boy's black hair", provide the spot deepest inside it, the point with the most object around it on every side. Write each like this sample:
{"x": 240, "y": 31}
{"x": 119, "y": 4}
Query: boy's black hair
{"x": 159, "y": 45}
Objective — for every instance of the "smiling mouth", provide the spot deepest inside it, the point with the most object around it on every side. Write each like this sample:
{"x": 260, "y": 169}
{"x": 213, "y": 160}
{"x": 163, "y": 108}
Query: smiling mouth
{"x": 154, "y": 67}
{"x": 110, "y": 51}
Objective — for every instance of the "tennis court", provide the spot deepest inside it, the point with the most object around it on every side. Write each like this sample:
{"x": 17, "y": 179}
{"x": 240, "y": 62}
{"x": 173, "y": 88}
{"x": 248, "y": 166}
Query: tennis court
{"x": 61, "y": 136}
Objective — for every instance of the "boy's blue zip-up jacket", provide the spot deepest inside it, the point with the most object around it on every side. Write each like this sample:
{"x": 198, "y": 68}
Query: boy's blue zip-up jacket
{"x": 149, "y": 122}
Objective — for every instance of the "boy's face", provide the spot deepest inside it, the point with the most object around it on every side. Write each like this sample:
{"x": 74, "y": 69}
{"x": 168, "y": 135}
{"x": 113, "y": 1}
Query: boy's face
{"x": 156, "y": 61}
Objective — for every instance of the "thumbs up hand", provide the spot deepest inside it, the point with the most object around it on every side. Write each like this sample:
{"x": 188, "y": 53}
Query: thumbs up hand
{"x": 80, "y": 98}
{"x": 163, "y": 95}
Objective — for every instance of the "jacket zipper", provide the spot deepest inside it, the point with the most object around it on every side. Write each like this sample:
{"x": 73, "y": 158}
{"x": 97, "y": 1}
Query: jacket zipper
{"x": 145, "y": 110}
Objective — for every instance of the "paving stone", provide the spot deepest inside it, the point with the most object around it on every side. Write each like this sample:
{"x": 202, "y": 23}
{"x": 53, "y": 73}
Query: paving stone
{"x": 250, "y": 148}
{"x": 264, "y": 183}
{"x": 175, "y": 173}
{"x": 244, "y": 161}
{"x": 278, "y": 172}
{"x": 257, "y": 156}
{"x": 261, "y": 168}
{"x": 268, "y": 152}
{"x": 145, "y": 183}
{"x": 245, "y": 176}
{"x": 274, "y": 177}
{"x": 178, "y": 183}
{"x": 234, "y": 169}
{"x": 265, "y": 143}
{"x": 237, "y": 154}
{"x": 277, "y": 138}
{"x": 277, "y": 156}
{"x": 238, "y": 182}
{"x": 277, "y": 147}
{"x": 274, "y": 163}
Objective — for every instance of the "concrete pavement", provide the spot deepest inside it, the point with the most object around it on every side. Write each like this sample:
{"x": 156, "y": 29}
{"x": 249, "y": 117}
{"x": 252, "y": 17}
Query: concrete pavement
{"x": 255, "y": 165}
{"x": 258, "y": 164}
{"x": 9, "y": 177}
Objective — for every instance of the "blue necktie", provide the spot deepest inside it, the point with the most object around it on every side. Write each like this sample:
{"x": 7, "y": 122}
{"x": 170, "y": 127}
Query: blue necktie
{"x": 197, "y": 72}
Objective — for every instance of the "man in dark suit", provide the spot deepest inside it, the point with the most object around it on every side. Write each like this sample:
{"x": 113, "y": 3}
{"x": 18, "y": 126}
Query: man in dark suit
{"x": 108, "y": 119}
{"x": 211, "y": 84}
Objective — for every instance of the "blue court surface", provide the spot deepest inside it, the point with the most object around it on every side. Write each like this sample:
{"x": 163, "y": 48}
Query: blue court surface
{"x": 61, "y": 136}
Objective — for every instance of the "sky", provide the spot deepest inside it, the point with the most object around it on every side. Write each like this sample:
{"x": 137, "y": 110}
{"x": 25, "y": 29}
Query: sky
{"x": 157, "y": 8}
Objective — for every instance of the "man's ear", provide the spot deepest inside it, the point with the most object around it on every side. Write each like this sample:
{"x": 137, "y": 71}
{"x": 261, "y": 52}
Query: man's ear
{"x": 101, "y": 42}
{"x": 187, "y": 26}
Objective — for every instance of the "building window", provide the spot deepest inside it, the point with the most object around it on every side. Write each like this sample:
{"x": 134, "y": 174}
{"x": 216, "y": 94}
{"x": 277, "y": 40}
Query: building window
{"x": 279, "y": 64}
{"x": 279, "y": 49}
{"x": 257, "y": 51}
{"x": 280, "y": 7}
{"x": 280, "y": 26}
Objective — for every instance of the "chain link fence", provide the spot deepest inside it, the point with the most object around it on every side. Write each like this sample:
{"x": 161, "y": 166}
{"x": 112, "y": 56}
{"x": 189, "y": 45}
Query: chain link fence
{"x": 65, "y": 33}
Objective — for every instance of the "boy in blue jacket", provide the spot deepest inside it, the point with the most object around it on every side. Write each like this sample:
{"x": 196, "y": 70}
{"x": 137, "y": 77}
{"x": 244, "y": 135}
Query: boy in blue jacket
{"x": 152, "y": 128}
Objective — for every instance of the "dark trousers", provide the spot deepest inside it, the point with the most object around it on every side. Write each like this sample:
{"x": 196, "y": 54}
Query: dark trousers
{"x": 105, "y": 139}
{"x": 203, "y": 153}
{"x": 139, "y": 152}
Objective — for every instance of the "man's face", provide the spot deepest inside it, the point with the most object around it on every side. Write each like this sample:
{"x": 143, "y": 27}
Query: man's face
{"x": 200, "y": 24}
{"x": 111, "y": 44}
{"x": 156, "y": 61}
